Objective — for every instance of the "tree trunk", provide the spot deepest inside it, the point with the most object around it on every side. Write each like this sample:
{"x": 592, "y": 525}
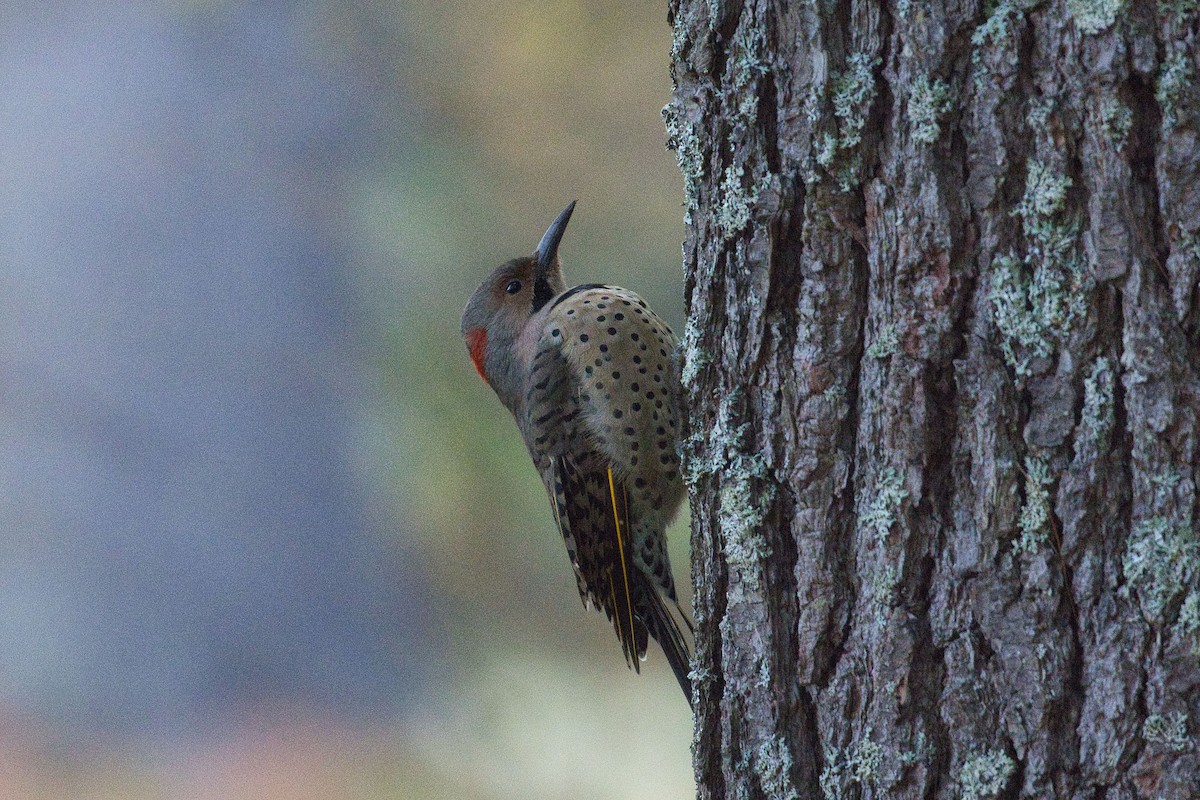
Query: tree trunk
{"x": 941, "y": 357}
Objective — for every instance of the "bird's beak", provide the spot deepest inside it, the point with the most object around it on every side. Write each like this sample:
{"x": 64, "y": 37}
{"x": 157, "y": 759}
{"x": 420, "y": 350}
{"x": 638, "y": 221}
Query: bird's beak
{"x": 547, "y": 249}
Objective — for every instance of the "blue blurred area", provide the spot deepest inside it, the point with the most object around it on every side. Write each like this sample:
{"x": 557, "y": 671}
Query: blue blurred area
{"x": 187, "y": 525}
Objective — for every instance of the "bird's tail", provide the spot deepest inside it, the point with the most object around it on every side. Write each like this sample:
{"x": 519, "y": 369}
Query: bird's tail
{"x": 667, "y": 632}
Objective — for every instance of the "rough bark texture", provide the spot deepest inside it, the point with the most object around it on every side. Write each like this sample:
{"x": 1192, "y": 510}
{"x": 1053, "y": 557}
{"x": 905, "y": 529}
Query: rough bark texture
{"x": 942, "y": 358}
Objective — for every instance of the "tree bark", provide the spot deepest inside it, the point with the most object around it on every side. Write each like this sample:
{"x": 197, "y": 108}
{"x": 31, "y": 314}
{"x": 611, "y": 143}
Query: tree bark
{"x": 942, "y": 367}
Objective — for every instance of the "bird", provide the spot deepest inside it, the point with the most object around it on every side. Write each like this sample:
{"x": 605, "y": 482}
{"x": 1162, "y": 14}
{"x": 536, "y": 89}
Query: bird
{"x": 590, "y": 374}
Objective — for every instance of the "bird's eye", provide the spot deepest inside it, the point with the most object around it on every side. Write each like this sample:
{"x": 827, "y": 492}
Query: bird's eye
{"x": 513, "y": 287}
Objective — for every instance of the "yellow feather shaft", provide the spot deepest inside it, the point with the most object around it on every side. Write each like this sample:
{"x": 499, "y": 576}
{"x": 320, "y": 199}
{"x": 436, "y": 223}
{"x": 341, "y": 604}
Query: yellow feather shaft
{"x": 612, "y": 490}
{"x": 554, "y": 508}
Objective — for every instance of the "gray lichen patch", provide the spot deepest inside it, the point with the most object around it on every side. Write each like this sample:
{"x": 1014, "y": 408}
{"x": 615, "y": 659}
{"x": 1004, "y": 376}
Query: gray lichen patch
{"x": 736, "y": 201}
{"x": 852, "y": 95}
{"x": 680, "y": 38}
{"x": 1189, "y": 244}
{"x": 858, "y": 764}
{"x": 1181, "y": 9}
{"x": 1032, "y": 310}
{"x": 695, "y": 358}
{"x": 745, "y": 493}
{"x": 1016, "y": 313}
{"x": 1038, "y": 115}
{"x": 919, "y": 753}
{"x": 1093, "y": 16}
{"x": 853, "y": 92}
{"x": 1116, "y": 120}
{"x": 774, "y": 766}
{"x": 998, "y": 32}
{"x": 714, "y": 14}
{"x": 682, "y": 138}
{"x": 1168, "y": 731}
{"x": 882, "y": 589}
{"x": 741, "y": 513}
{"x": 1034, "y": 520}
{"x": 985, "y": 775}
{"x": 886, "y": 342}
{"x": 748, "y": 64}
{"x": 928, "y": 102}
{"x": 1036, "y": 300}
{"x": 1045, "y": 192}
{"x": 1176, "y": 80}
{"x": 1096, "y": 419}
{"x": 881, "y": 510}
{"x": 1161, "y": 561}
{"x": 1164, "y": 483}
{"x": 707, "y": 452}
{"x": 1187, "y": 627}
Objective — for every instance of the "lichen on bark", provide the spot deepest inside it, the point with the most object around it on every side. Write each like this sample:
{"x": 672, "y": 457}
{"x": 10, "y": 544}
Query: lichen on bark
{"x": 943, "y": 400}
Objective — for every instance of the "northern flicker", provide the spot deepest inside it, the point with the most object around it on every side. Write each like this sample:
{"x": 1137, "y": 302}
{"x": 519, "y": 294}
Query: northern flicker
{"x": 590, "y": 375}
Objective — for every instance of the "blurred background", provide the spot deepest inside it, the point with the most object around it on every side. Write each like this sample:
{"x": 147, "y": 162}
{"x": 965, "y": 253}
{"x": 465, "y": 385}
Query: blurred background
{"x": 263, "y": 531}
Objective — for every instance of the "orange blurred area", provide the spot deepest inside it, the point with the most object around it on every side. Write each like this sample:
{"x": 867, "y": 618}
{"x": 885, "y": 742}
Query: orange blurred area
{"x": 265, "y": 533}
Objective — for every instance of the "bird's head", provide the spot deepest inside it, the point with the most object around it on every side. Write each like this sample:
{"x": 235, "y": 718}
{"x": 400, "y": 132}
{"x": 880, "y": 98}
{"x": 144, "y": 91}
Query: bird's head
{"x": 506, "y": 300}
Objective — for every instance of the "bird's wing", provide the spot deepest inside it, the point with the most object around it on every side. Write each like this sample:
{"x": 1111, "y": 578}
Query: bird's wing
{"x": 588, "y": 497}
{"x": 596, "y": 514}
{"x": 550, "y": 425}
